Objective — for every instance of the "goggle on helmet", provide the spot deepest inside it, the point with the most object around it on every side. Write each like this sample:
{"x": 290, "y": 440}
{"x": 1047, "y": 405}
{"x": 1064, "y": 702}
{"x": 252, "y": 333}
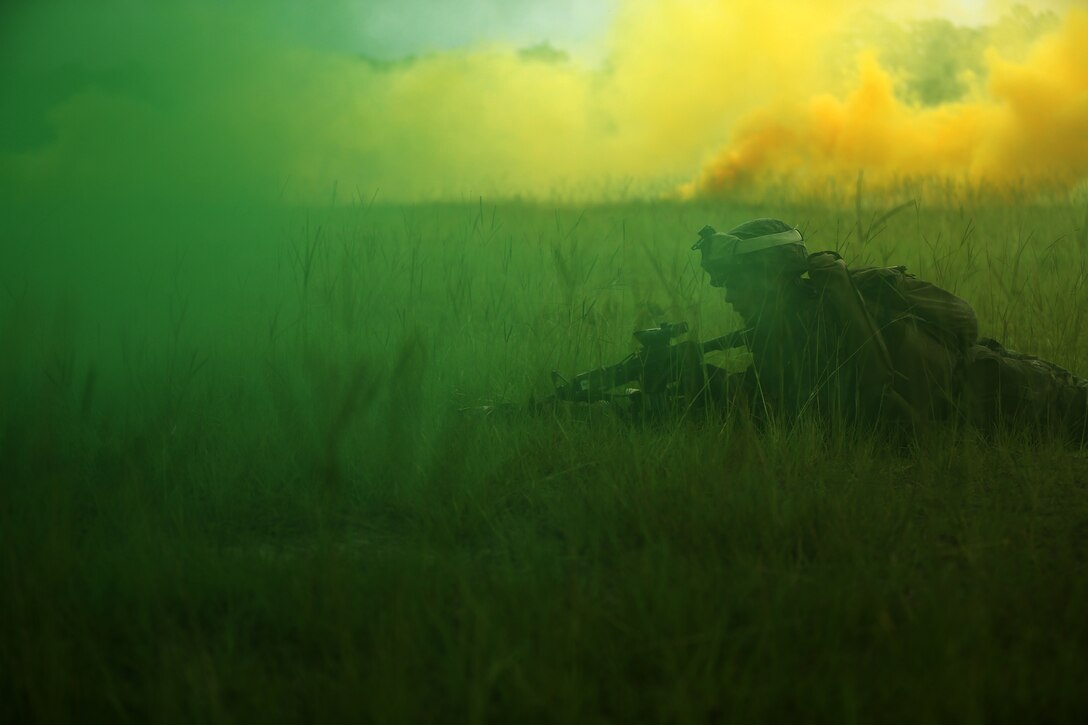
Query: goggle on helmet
{"x": 729, "y": 252}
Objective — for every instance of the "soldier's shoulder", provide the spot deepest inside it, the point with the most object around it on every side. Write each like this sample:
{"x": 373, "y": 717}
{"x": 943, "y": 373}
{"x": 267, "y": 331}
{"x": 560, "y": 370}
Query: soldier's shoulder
{"x": 885, "y": 275}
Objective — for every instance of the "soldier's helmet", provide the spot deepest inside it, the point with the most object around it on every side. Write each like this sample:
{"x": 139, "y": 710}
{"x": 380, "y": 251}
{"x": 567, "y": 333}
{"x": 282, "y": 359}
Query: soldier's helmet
{"x": 769, "y": 245}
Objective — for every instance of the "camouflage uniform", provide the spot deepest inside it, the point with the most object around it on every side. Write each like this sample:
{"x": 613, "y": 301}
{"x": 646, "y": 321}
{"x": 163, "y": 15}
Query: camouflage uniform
{"x": 1024, "y": 391}
{"x": 873, "y": 346}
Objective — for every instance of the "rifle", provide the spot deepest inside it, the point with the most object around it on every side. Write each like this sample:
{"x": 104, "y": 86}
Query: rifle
{"x": 656, "y": 366}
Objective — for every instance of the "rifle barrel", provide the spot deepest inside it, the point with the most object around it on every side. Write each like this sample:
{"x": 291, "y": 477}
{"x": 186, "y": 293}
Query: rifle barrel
{"x": 594, "y": 384}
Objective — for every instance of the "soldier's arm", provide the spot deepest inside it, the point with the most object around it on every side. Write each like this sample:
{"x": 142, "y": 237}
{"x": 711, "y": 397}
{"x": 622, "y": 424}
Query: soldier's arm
{"x": 865, "y": 345}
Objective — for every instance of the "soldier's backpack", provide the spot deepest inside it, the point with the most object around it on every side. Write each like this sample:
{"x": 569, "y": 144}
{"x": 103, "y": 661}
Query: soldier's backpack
{"x": 908, "y": 340}
{"x": 893, "y": 295}
{"x": 998, "y": 384}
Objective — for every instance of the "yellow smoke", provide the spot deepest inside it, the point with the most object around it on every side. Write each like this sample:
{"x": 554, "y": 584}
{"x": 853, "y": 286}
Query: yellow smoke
{"x": 489, "y": 120}
{"x": 684, "y": 77}
{"x": 712, "y": 96}
{"x": 1026, "y": 130}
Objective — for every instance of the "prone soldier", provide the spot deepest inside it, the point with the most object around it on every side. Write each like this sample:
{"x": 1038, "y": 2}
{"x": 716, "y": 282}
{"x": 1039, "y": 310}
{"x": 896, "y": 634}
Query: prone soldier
{"x": 872, "y": 346}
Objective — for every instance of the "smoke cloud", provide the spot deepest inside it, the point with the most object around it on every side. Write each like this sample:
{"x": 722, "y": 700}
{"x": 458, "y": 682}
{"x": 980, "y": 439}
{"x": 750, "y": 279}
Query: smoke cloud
{"x": 1021, "y": 127}
{"x": 209, "y": 102}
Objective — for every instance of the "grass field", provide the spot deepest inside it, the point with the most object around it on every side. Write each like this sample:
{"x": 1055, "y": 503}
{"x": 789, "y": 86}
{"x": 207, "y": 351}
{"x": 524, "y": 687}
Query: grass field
{"x": 235, "y": 487}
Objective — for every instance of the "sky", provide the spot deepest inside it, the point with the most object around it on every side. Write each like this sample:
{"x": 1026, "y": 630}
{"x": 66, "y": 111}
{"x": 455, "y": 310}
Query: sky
{"x": 122, "y": 101}
{"x": 388, "y": 29}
